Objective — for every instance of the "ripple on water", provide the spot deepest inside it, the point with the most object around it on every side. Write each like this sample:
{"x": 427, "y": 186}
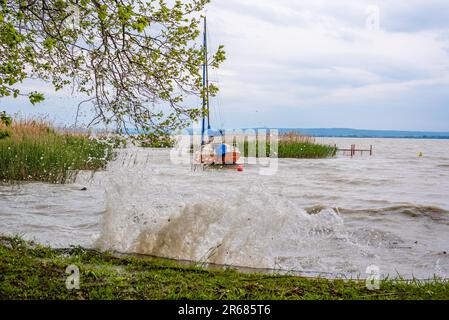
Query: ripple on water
{"x": 331, "y": 216}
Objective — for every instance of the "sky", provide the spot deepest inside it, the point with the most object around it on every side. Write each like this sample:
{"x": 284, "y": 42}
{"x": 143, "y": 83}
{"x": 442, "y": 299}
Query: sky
{"x": 319, "y": 64}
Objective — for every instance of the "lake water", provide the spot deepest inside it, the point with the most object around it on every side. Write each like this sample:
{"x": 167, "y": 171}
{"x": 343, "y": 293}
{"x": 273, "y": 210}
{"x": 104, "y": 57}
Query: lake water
{"x": 328, "y": 217}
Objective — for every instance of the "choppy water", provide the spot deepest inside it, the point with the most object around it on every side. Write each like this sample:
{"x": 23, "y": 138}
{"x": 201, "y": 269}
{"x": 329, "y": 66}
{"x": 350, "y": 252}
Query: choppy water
{"x": 335, "y": 216}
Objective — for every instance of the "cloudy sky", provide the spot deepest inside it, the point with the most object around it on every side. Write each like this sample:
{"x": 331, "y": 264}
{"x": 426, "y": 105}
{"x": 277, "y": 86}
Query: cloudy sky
{"x": 329, "y": 63}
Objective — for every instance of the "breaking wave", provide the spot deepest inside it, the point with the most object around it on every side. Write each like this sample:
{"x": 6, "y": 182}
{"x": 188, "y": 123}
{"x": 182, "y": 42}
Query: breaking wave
{"x": 160, "y": 209}
{"x": 253, "y": 230}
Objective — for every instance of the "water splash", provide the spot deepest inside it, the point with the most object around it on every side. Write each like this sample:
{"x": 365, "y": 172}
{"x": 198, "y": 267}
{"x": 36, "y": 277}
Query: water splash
{"x": 392, "y": 212}
{"x": 201, "y": 217}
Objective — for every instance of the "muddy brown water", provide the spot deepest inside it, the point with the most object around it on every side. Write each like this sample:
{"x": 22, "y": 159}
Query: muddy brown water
{"x": 326, "y": 216}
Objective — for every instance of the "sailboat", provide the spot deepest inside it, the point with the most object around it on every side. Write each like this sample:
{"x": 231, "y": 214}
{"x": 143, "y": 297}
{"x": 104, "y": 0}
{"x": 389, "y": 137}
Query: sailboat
{"x": 213, "y": 149}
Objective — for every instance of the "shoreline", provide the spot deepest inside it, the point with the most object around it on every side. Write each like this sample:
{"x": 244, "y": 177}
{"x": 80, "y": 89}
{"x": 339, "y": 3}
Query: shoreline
{"x": 33, "y": 271}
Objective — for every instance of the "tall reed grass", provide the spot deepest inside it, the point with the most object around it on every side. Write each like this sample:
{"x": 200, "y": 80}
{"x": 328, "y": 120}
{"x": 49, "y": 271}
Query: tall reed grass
{"x": 34, "y": 151}
{"x": 294, "y": 145}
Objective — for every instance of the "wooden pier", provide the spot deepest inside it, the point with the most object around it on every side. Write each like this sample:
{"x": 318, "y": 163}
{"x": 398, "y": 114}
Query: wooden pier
{"x": 353, "y": 150}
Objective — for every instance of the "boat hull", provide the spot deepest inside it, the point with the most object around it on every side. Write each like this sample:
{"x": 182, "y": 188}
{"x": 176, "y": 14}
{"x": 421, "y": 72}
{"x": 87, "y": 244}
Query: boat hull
{"x": 218, "y": 154}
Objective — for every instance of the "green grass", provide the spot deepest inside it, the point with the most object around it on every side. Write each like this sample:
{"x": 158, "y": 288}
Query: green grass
{"x": 31, "y": 271}
{"x": 305, "y": 150}
{"x": 35, "y": 152}
{"x": 290, "y": 145}
{"x": 155, "y": 142}
{"x": 298, "y": 150}
{"x": 291, "y": 149}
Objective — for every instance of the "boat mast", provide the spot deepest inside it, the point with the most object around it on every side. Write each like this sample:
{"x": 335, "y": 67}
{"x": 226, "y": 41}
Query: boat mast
{"x": 207, "y": 73}
{"x": 205, "y": 85}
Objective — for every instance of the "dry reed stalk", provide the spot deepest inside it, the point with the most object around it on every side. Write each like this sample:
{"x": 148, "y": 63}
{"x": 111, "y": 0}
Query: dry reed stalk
{"x": 293, "y": 136}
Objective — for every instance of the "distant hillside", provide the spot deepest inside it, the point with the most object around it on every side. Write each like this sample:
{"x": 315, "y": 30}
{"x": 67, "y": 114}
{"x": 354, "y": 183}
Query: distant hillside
{"x": 356, "y": 133}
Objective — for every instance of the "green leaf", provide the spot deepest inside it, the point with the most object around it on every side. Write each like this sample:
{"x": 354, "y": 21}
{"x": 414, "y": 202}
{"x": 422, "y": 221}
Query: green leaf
{"x": 5, "y": 119}
{"x": 36, "y": 97}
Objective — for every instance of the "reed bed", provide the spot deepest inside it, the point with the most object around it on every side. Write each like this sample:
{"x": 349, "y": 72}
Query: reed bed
{"x": 294, "y": 145}
{"x": 34, "y": 151}
{"x": 150, "y": 141}
{"x": 290, "y": 145}
{"x": 293, "y": 136}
